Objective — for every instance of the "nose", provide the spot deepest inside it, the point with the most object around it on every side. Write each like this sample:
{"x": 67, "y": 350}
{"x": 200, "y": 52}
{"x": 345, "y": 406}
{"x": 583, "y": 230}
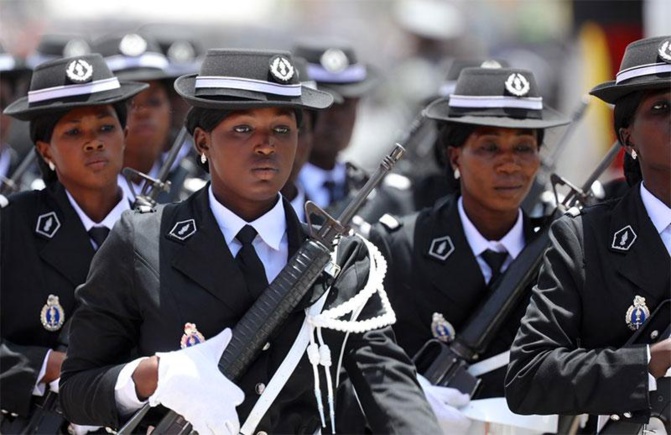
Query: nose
{"x": 509, "y": 162}
{"x": 94, "y": 143}
{"x": 265, "y": 144}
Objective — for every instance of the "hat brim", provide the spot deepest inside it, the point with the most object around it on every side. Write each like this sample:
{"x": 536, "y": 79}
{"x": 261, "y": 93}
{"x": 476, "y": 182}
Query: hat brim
{"x": 242, "y": 99}
{"x": 21, "y": 109}
{"x": 353, "y": 90}
{"x": 441, "y": 111}
{"x": 610, "y": 92}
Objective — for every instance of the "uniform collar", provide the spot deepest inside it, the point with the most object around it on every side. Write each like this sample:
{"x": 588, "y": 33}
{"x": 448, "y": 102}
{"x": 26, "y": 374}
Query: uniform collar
{"x": 312, "y": 178}
{"x": 109, "y": 220}
{"x": 271, "y": 227}
{"x": 659, "y": 213}
{"x": 513, "y": 242}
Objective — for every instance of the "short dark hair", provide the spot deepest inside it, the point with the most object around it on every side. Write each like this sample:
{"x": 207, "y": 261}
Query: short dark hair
{"x": 623, "y": 114}
{"x": 42, "y": 128}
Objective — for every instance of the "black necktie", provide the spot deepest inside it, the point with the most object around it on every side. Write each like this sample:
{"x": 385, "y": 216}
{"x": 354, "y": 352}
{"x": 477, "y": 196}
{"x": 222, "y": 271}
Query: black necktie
{"x": 98, "y": 235}
{"x": 249, "y": 263}
{"x": 495, "y": 261}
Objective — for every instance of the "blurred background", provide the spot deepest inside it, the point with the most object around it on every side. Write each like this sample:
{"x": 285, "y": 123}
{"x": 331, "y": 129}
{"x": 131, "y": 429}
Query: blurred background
{"x": 569, "y": 45}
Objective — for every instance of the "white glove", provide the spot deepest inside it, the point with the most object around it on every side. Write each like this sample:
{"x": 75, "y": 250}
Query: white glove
{"x": 444, "y": 401}
{"x": 77, "y": 429}
{"x": 190, "y": 383}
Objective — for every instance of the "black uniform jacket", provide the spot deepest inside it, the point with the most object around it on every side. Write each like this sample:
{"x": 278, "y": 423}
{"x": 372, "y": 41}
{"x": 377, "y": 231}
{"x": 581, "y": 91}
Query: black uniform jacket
{"x": 145, "y": 284}
{"x": 420, "y": 284}
{"x": 569, "y": 355}
{"x": 44, "y": 250}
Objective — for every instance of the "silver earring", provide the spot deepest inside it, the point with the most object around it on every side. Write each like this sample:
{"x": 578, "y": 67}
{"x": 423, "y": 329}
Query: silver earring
{"x": 51, "y": 165}
{"x": 203, "y": 158}
{"x": 457, "y": 174}
{"x": 634, "y": 155}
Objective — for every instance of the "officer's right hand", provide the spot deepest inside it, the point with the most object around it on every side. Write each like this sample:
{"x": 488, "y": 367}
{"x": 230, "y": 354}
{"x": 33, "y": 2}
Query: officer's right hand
{"x": 190, "y": 383}
{"x": 660, "y": 358}
{"x": 445, "y": 402}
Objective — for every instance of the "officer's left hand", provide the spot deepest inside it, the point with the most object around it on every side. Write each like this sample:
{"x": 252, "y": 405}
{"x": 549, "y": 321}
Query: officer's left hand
{"x": 444, "y": 401}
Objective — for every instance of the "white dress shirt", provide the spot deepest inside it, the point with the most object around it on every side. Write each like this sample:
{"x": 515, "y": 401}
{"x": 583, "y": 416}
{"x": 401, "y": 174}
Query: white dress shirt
{"x": 312, "y": 178}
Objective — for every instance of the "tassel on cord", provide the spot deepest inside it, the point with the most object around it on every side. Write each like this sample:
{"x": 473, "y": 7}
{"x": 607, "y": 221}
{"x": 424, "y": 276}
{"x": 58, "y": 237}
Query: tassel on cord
{"x": 329, "y": 319}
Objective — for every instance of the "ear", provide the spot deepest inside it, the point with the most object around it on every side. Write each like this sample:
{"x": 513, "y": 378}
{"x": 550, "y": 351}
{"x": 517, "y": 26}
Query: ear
{"x": 201, "y": 141}
{"x": 624, "y": 138}
{"x": 452, "y": 156}
{"x": 45, "y": 150}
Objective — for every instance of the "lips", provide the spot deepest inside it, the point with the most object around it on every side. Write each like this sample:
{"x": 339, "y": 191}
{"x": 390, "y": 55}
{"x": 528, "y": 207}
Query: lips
{"x": 97, "y": 162}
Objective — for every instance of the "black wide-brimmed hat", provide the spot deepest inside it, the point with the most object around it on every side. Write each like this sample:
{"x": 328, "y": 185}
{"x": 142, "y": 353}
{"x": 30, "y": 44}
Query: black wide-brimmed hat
{"x": 646, "y": 65}
{"x": 63, "y": 84}
{"x": 11, "y": 66}
{"x": 54, "y": 46}
{"x": 334, "y": 66}
{"x": 233, "y": 79}
{"x": 497, "y": 97}
{"x": 455, "y": 66}
{"x": 134, "y": 56}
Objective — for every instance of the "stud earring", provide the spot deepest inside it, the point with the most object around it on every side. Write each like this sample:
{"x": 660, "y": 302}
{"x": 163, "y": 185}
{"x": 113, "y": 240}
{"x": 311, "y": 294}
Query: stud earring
{"x": 51, "y": 165}
{"x": 634, "y": 155}
{"x": 203, "y": 158}
{"x": 457, "y": 174}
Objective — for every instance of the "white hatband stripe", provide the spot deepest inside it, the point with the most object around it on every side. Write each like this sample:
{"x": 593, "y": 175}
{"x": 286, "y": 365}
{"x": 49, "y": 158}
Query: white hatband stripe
{"x": 215, "y": 82}
{"x": 148, "y": 60}
{"x": 532, "y": 103}
{"x": 73, "y": 90}
{"x": 642, "y": 70}
{"x": 353, "y": 73}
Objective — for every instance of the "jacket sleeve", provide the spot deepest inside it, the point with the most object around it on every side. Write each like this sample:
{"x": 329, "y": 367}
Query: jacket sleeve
{"x": 382, "y": 374}
{"x": 103, "y": 331}
{"x": 19, "y": 368}
{"x": 549, "y": 371}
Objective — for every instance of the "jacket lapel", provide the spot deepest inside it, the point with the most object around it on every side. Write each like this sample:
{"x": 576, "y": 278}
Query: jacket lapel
{"x": 68, "y": 250}
{"x": 645, "y": 262}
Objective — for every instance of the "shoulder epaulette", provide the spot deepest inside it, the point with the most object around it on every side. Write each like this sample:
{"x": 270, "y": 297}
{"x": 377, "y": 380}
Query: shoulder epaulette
{"x": 390, "y": 222}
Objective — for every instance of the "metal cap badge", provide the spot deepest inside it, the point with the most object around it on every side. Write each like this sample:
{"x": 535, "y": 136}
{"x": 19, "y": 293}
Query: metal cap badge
{"x": 79, "y": 71}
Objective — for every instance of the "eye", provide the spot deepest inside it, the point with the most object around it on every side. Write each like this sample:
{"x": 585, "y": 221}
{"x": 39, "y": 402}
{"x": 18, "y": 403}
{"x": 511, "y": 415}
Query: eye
{"x": 108, "y": 128}
{"x": 661, "y": 105}
{"x": 282, "y": 129}
{"x": 72, "y": 132}
{"x": 489, "y": 147}
{"x": 525, "y": 148}
{"x": 242, "y": 129}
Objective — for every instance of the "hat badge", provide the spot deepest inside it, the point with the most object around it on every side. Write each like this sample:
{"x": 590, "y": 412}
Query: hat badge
{"x": 334, "y": 60}
{"x": 665, "y": 50}
{"x": 517, "y": 85}
{"x": 281, "y": 69}
{"x": 79, "y": 71}
{"x": 132, "y": 45}
{"x": 76, "y": 47}
{"x": 181, "y": 52}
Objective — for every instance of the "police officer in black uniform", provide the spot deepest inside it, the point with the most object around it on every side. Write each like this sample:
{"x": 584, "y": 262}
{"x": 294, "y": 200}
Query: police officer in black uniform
{"x": 77, "y": 112}
{"x": 188, "y": 272}
{"x": 443, "y": 259}
{"x": 607, "y": 270}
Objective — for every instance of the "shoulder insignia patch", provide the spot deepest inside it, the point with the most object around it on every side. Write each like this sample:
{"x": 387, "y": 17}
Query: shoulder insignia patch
{"x": 390, "y": 222}
{"x": 183, "y": 230}
{"x": 623, "y": 239}
{"x": 47, "y": 225}
{"x": 441, "y": 248}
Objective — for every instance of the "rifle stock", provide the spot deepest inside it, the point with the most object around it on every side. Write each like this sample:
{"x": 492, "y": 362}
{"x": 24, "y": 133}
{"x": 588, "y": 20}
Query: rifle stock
{"x": 272, "y": 308}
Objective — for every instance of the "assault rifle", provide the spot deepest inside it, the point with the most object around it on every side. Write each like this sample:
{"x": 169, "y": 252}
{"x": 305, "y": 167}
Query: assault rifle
{"x": 272, "y": 308}
{"x": 13, "y": 183}
{"x": 447, "y": 364}
{"x": 152, "y": 187}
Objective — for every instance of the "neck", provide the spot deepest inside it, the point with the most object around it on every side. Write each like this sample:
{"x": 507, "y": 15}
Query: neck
{"x": 97, "y": 203}
{"x": 659, "y": 186}
{"x": 290, "y": 191}
{"x": 492, "y": 224}
{"x": 324, "y": 161}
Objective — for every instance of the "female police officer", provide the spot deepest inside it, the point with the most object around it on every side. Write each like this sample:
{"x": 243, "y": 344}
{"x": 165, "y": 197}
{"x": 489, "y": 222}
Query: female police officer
{"x": 442, "y": 259}
{"x": 178, "y": 276}
{"x": 77, "y": 112}
{"x": 607, "y": 270}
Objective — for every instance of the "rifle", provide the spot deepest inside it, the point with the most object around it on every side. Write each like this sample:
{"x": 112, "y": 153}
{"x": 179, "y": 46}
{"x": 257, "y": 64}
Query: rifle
{"x": 154, "y": 186}
{"x": 549, "y": 163}
{"x": 13, "y": 184}
{"x": 660, "y": 399}
{"x": 272, "y": 308}
{"x": 447, "y": 364}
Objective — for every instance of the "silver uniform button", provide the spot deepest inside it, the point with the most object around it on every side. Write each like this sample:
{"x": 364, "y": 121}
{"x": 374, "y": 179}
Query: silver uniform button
{"x": 266, "y": 346}
{"x": 615, "y": 417}
{"x": 262, "y": 432}
{"x": 260, "y": 388}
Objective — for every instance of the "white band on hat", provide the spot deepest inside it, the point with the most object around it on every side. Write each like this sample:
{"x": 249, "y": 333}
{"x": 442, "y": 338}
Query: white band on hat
{"x": 447, "y": 88}
{"x": 310, "y": 84}
{"x": 73, "y": 90}
{"x": 147, "y": 60}
{"x": 353, "y": 73}
{"x": 216, "y": 82}
{"x": 642, "y": 70}
{"x": 7, "y": 62}
{"x": 488, "y": 102}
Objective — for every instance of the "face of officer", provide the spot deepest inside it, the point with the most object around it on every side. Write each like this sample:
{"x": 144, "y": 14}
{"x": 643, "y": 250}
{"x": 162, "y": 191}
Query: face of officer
{"x": 250, "y": 154}
{"x": 649, "y": 135}
{"x": 333, "y": 132}
{"x": 86, "y": 147}
{"x": 497, "y": 167}
{"x": 148, "y": 126}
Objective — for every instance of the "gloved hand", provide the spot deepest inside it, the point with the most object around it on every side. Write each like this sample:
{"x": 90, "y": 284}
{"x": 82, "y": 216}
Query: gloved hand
{"x": 444, "y": 401}
{"x": 190, "y": 383}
